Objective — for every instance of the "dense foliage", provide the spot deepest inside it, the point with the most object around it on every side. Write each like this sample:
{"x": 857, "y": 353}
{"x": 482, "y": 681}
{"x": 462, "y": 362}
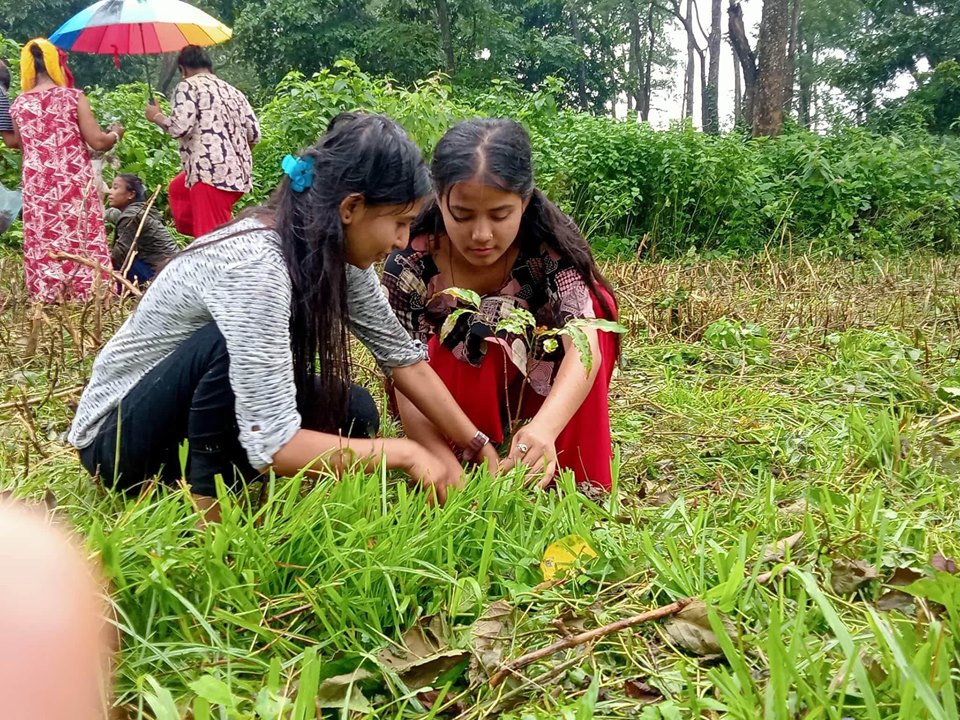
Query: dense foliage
{"x": 629, "y": 186}
{"x": 844, "y": 56}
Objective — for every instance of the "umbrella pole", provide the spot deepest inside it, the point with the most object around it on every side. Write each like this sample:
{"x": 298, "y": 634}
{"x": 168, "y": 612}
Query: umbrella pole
{"x": 146, "y": 67}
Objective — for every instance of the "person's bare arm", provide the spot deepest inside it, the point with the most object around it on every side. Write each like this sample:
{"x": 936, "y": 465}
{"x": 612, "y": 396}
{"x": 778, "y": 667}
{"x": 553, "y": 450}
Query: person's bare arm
{"x": 183, "y": 113}
{"x": 425, "y": 390}
{"x": 324, "y": 451}
{"x": 92, "y": 134}
{"x": 374, "y": 322}
{"x": 316, "y": 452}
{"x": 417, "y": 427}
{"x": 12, "y": 139}
{"x": 570, "y": 389}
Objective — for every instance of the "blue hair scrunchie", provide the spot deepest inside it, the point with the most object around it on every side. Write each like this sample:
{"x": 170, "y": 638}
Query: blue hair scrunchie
{"x": 300, "y": 172}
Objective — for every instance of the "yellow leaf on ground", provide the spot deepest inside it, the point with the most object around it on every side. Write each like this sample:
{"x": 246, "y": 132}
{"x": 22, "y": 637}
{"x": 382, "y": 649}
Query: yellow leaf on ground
{"x": 564, "y": 554}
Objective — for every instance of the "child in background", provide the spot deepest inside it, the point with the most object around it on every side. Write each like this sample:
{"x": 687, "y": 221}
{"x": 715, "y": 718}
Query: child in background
{"x": 154, "y": 246}
{"x": 6, "y": 122}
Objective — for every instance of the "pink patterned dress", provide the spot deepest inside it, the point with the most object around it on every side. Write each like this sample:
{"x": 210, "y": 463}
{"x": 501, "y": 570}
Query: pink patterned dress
{"x": 62, "y": 211}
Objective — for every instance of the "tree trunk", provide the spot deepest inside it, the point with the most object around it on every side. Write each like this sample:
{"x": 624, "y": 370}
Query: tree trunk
{"x": 446, "y": 37}
{"x": 711, "y": 88}
{"x": 704, "y": 105}
{"x": 688, "y": 80}
{"x": 771, "y": 68}
{"x": 748, "y": 60}
{"x": 581, "y": 64}
{"x": 643, "y": 102}
{"x": 635, "y": 73}
{"x": 612, "y": 62}
{"x": 737, "y": 89}
{"x": 804, "y": 77}
{"x": 792, "y": 55}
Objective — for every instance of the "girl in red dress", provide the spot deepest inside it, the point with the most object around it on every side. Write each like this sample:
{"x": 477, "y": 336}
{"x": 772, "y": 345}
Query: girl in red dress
{"x": 62, "y": 211}
{"x": 491, "y": 231}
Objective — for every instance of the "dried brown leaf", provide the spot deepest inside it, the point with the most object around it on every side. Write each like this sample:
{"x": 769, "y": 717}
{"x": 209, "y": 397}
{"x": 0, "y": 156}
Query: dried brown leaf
{"x": 422, "y": 657}
{"x": 904, "y": 576}
{"x": 846, "y": 576}
{"x": 492, "y": 635}
{"x": 795, "y": 507}
{"x": 896, "y": 600}
{"x": 640, "y": 691}
{"x": 942, "y": 563}
{"x": 341, "y": 692}
{"x": 778, "y": 551}
{"x": 690, "y": 629}
{"x": 663, "y": 498}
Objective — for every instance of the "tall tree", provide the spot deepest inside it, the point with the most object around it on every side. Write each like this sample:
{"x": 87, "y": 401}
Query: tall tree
{"x": 746, "y": 56}
{"x": 771, "y": 68}
{"x": 737, "y": 88}
{"x": 825, "y": 31}
{"x": 805, "y": 77}
{"x": 711, "y": 92}
{"x": 446, "y": 36}
{"x": 634, "y": 56}
{"x": 577, "y": 33}
{"x": 642, "y": 51}
{"x": 792, "y": 49}
{"x": 688, "y": 78}
{"x": 644, "y": 106}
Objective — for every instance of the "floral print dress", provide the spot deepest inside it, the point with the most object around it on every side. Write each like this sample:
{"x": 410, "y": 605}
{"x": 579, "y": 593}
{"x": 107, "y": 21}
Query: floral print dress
{"x": 62, "y": 211}
{"x": 540, "y": 282}
{"x": 490, "y": 386}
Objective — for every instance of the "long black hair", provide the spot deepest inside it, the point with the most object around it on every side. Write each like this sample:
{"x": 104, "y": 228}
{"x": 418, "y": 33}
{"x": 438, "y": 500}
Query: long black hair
{"x": 135, "y": 185}
{"x": 497, "y": 153}
{"x": 39, "y": 64}
{"x": 369, "y": 155}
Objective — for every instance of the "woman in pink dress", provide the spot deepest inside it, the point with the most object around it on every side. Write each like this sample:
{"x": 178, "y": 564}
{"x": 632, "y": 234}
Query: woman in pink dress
{"x": 62, "y": 211}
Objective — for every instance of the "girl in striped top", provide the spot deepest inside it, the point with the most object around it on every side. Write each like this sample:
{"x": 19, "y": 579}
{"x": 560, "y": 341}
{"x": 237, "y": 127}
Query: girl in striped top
{"x": 240, "y": 345}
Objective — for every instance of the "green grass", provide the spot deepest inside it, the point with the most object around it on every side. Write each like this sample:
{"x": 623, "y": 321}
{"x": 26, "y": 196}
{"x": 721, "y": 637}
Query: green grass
{"x": 756, "y": 400}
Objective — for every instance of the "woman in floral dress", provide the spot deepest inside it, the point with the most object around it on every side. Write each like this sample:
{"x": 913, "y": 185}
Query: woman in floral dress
{"x": 62, "y": 211}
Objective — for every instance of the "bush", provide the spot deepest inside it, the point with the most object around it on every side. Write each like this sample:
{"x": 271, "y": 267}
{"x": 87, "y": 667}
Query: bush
{"x": 631, "y": 188}
{"x": 144, "y": 150}
{"x": 301, "y": 108}
{"x": 847, "y": 192}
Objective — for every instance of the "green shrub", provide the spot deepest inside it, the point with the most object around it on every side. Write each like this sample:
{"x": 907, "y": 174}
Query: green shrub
{"x": 848, "y": 192}
{"x": 299, "y": 112}
{"x": 145, "y": 150}
{"x": 631, "y": 188}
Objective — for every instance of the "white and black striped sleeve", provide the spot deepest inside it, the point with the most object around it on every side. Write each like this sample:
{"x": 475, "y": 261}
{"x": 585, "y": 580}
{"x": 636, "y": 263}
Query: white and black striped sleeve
{"x": 250, "y": 302}
{"x": 374, "y": 323}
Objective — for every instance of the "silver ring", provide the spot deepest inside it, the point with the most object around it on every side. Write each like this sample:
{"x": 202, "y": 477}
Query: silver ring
{"x": 522, "y": 448}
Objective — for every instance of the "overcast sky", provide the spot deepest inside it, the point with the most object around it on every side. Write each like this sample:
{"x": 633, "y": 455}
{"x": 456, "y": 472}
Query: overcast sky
{"x": 666, "y": 105}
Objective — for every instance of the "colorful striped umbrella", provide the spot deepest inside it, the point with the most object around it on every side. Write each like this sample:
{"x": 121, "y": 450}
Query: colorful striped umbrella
{"x": 139, "y": 27}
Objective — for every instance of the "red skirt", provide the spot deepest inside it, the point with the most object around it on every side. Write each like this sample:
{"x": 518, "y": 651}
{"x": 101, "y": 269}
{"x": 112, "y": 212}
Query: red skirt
{"x": 494, "y": 394}
{"x": 200, "y": 209}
